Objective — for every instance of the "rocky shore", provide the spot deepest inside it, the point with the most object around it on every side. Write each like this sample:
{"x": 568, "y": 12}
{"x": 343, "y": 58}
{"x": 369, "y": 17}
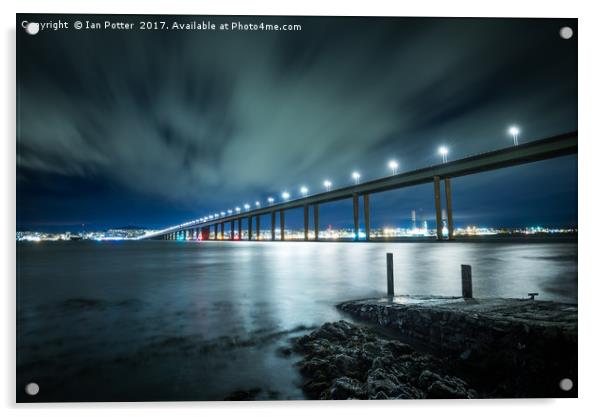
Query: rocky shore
{"x": 344, "y": 361}
{"x": 452, "y": 348}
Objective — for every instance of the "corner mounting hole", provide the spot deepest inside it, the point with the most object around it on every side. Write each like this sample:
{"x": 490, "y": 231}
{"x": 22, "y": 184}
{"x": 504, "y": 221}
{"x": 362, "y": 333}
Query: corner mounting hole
{"x": 566, "y": 32}
{"x": 566, "y": 384}
{"x": 32, "y": 389}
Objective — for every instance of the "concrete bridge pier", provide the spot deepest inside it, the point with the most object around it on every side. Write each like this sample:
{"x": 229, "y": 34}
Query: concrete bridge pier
{"x": 367, "y": 215}
{"x": 436, "y": 181}
{"x": 273, "y": 225}
{"x": 257, "y": 227}
{"x": 356, "y": 218}
{"x": 316, "y": 222}
{"x": 448, "y": 204}
{"x": 215, "y": 232}
{"x": 239, "y": 228}
{"x": 305, "y": 222}
{"x": 231, "y": 229}
{"x": 250, "y": 227}
{"x": 281, "y": 224}
{"x": 222, "y": 227}
{"x": 205, "y": 232}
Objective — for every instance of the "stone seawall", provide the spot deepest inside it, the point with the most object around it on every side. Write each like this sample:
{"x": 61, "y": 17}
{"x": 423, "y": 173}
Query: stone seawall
{"x": 515, "y": 347}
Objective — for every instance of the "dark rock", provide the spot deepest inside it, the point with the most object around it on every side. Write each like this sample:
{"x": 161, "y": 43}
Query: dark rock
{"x": 344, "y": 388}
{"x": 344, "y": 361}
{"x": 243, "y": 395}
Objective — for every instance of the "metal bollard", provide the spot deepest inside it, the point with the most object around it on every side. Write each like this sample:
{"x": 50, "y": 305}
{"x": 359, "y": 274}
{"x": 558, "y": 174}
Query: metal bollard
{"x": 390, "y": 289}
{"x": 466, "y": 281}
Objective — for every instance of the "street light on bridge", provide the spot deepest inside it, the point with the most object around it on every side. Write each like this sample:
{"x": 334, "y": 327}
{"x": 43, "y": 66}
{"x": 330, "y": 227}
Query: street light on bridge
{"x": 229, "y": 211}
{"x": 393, "y": 165}
{"x": 514, "y": 131}
{"x": 257, "y": 204}
{"x": 286, "y": 195}
{"x": 270, "y": 200}
{"x": 237, "y": 209}
{"x": 247, "y": 206}
{"x": 356, "y": 177}
{"x": 304, "y": 190}
{"x": 327, "y": 185}
{"x": 443, "y": 151}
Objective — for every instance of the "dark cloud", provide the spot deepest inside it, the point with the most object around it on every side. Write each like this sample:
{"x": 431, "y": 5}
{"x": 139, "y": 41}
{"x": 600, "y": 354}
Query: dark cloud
{"x": 211, "y": 119}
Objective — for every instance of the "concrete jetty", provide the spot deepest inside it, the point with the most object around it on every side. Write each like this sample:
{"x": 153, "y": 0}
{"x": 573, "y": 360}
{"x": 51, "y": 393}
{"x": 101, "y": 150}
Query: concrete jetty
{"x": 520, "y": 346}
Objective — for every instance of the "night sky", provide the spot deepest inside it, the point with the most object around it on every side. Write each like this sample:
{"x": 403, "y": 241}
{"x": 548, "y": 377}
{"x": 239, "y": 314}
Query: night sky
{"x": 153, "y": 128}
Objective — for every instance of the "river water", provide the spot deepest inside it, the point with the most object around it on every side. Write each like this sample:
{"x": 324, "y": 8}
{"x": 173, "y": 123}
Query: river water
{"x": 162, "y": 320}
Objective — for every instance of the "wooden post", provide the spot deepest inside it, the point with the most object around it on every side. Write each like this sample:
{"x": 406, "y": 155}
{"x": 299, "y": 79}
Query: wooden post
{"x": 466, "y": 281}
{"x": 390, "y": 282}
{"x": 438, "y": 208}
{"x": 356, "y": 219}
{"x": 316, "y": 222}
{"x": 448, "y": 203}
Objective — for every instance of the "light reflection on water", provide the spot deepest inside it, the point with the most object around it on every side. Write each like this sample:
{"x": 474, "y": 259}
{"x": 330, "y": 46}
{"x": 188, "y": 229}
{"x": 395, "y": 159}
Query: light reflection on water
{"x": 186, "y": 320}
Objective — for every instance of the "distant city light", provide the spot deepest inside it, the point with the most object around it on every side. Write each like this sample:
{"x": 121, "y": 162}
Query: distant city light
{"x": 514, "y": 131}
{"x": 304, "y": 190}
{"x": 327, "y": 185}
{"x": 271, "y": 200}
{"x": 247, "y": 206}
{"x": 443, "y": 151}
{"x": 286, "y": 195}
{"x": 356, "y": 177}
{"x": 393, "y": 166}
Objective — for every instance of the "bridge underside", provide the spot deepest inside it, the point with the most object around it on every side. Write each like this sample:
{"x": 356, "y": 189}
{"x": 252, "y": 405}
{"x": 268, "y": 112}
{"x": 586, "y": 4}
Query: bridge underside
{"x": 529, "y": 152}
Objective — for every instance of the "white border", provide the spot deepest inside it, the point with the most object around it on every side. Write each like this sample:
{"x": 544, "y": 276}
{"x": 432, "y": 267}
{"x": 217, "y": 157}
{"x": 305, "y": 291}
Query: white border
{"x": 590, "y": 207}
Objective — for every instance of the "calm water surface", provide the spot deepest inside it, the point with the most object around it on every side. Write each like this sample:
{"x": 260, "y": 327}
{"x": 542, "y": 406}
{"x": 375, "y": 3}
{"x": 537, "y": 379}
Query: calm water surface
{"x": 200, "y": 320}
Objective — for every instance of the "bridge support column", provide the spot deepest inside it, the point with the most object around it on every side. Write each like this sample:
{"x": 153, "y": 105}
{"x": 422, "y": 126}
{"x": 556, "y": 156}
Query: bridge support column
{"x": 356, "y": 217}
{"x": 250, "y": 226}
{"x": 205, "y": 231}
{"x": 215, "y": 232}
{"x": 282, "y": 224}
{"x": 316, "y": 222}
{"x": 257, "y": 227}
{"x": 448, "y": 204}
{"x": 239, "y": 228}
{"x": 231, "y": 229}
{"x": 222, "y": 227}
{"x": 367, "y": 215}
{"x": 273, "y": 226}
{"x": 436, "y": 180}
{"x": 306, "y": 222}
